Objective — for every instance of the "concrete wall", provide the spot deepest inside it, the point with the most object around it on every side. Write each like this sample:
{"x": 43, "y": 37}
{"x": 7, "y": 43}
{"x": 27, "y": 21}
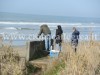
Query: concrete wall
{"x": 36, "y": 49}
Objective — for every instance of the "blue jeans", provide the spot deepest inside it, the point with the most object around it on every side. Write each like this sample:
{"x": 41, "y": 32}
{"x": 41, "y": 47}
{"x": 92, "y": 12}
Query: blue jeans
{"x": 58, "y": 46}
{"x": 47, "y": 42}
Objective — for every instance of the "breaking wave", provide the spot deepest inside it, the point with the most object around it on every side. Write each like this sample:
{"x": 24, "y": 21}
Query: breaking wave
{"x": 49, "y": 24}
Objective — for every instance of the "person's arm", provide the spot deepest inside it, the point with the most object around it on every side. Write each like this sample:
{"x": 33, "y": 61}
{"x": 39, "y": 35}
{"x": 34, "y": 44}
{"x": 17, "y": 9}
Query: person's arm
{"x": 56, "y": 34}
{"x": 40, "y": 32}
{"x": 78, "y": 35}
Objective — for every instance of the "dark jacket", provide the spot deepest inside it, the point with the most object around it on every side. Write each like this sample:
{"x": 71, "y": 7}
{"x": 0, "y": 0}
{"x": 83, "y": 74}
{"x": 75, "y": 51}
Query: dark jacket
{"x": 44, "y": 29}
{"x": 58, "y": 36}
{"x": 75, "y": 37}
{"x": 75, "y": 34}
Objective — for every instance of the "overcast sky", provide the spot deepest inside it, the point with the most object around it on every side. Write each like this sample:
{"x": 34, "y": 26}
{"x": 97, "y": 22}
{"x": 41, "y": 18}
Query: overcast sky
{"x": 78, "y": 8}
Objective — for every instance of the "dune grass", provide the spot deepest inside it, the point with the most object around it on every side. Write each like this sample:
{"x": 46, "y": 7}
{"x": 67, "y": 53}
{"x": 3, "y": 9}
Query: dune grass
{"x": 86, "y": 61}
{"x": 10, "y": 62}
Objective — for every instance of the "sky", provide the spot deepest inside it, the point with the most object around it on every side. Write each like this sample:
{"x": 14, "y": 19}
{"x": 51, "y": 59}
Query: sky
{"x": 76, "y": 8}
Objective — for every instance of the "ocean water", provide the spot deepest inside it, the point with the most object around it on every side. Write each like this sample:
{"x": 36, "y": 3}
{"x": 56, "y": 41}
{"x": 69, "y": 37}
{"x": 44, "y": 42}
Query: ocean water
{"x": 13, "y": 26}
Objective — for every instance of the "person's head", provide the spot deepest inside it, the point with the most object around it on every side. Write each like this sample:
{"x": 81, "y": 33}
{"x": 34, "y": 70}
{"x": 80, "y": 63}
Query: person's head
{"x": 74, "y": 28}
{"x": 59, "y": 27}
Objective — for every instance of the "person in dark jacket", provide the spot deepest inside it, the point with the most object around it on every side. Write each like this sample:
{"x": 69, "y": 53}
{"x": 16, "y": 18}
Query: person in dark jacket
{"x": 58, "y": 37}
{"x": 44, "y": 29}
{"x": 75, "y": 38}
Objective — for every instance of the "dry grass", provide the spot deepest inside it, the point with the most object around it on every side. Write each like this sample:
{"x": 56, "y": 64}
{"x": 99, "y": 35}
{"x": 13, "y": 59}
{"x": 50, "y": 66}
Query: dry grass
{"x": 10, "y": 62}
{"x": 85, "y": 62}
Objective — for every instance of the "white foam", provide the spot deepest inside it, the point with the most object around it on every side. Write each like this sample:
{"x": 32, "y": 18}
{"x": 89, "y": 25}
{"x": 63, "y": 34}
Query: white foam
{"x": 49, "y": 24}
{"x": 89, "y": 26}
{"x": 12, "y": 28}
{"x": 38, "y": 23}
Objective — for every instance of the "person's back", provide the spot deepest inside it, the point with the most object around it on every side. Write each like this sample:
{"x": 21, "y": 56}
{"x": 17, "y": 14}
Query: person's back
{"x": 58, "y": 32}
{"x": 44, "y": 29}
{"x": 75, "y": 34}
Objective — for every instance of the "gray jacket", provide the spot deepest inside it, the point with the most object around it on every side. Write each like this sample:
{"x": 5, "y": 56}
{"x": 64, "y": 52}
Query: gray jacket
{"x": 44, "y": 29}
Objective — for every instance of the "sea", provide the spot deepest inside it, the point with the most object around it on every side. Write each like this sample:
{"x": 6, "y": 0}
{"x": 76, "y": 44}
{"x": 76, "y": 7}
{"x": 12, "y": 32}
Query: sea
{"x": 21, "y": 28}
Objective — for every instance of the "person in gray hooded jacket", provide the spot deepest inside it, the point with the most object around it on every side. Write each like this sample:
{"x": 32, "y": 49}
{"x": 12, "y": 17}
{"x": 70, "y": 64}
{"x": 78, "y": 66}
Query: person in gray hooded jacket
{"x": 44, "y": 29}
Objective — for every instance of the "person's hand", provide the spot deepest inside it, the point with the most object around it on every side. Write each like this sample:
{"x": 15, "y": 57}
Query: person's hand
{"x": 55, "y": 37}
{"x": 37, "y": 36}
